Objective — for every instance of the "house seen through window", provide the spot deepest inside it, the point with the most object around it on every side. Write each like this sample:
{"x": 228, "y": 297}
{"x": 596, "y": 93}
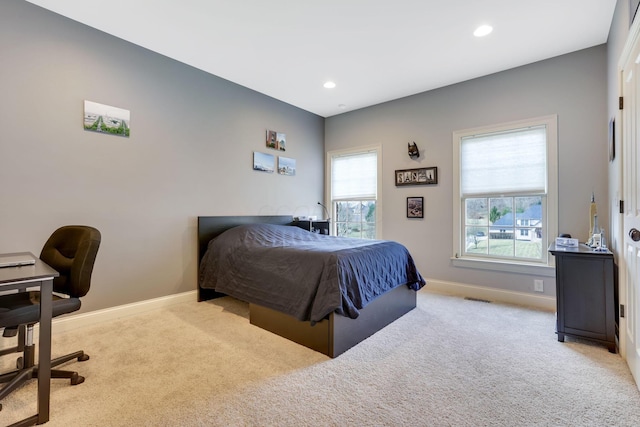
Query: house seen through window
{"x": 504, "y": 226}
{"x": 506, "y": 202}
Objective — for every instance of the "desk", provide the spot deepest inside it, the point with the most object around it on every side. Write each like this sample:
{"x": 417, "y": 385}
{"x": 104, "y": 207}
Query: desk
{"x": 36, "y": 275}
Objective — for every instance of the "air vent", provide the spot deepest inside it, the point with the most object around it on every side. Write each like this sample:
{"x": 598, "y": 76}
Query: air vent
{"x": 476, "y": 299}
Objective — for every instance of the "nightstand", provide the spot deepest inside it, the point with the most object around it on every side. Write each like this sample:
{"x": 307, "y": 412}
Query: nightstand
{"x": 322, "y": 226}
{"x": 586, "y": 294}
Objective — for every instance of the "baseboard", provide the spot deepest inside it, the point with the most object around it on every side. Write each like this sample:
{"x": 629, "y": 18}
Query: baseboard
{"x": 542, "y": 302}
{"x": 75, "y": 321}
{"x": 72, "y": 322}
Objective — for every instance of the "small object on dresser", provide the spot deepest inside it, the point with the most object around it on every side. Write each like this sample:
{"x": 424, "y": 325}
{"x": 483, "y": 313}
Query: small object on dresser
{"x": 567, "y": 241}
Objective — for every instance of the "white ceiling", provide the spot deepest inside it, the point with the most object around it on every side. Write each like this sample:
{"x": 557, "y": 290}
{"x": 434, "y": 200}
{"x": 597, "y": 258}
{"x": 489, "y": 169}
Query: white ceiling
{"x": 374, "y": 50}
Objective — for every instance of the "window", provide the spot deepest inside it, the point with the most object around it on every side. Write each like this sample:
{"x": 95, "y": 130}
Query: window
{"x": 353, "y": 182}
{"x": 506, "y": 183}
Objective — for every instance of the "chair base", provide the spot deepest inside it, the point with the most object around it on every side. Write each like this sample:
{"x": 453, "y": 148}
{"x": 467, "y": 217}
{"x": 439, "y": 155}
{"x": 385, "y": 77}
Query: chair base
{"x": 27, "y": 370}
{"x": 76, "y": 379}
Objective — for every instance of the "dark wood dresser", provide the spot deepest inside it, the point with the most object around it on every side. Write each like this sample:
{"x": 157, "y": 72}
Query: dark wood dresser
{"x": 586, "y": 294}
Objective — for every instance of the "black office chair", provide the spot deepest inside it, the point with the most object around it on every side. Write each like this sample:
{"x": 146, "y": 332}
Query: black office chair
{"x": 71, "y": 250}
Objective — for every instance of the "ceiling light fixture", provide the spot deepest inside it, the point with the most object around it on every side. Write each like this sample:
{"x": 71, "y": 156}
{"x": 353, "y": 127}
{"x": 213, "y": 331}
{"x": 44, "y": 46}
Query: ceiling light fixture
{"x": 329, "y": 85}
{"x": 483, "y": 30}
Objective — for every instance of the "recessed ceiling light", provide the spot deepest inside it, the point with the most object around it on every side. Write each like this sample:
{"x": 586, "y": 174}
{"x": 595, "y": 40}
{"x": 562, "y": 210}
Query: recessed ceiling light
{"x": 483, "y": 30}
{"x": 329, "y": 85}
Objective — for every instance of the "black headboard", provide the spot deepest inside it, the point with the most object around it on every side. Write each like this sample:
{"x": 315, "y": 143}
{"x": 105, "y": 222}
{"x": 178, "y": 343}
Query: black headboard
{"x": 212, "y": 226}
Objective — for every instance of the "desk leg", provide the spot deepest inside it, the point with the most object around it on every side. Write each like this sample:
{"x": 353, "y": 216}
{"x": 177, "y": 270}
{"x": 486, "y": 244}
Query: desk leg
{"x": 44, "y": 346}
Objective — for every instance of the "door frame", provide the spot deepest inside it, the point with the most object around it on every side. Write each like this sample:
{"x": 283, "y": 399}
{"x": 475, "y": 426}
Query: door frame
{"x": 625, "y": 136}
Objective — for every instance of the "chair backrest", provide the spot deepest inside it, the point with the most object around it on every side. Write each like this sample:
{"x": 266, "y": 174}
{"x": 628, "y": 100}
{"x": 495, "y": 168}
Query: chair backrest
{"x": 71, "y": 250}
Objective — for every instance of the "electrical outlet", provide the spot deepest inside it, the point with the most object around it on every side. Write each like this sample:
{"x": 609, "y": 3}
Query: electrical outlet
{"x": 538, "y": 285}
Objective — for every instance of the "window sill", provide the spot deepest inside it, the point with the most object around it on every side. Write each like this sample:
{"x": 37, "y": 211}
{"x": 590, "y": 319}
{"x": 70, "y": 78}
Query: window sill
{"x": 505, "y": 267}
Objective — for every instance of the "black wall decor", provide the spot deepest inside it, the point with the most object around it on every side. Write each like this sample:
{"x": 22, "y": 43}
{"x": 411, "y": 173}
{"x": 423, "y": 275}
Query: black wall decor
{"x": 414, "y": 153}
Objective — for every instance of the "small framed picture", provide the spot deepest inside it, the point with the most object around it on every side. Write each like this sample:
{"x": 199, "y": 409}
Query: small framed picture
{"x": 422, "y": 176}
{"x": 276, "y": 140}
{"x": 612, "y": 139}
{"x": 263, "y": 162}
{"x": 415, "y": 207}
{"x": 106, "y": 119}
{"x": 286, "y": 166}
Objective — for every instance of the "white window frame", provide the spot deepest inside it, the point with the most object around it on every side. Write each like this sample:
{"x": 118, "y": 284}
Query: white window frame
{"x": 546, "y": 267}
{"x": 328, "y": 191}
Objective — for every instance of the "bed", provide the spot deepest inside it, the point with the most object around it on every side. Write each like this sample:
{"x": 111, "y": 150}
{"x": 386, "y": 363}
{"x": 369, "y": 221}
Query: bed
{"x": 323, "y": 292}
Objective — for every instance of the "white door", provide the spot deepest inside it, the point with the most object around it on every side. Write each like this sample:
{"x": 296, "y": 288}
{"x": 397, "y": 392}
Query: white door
{"x": 629, "y": 258}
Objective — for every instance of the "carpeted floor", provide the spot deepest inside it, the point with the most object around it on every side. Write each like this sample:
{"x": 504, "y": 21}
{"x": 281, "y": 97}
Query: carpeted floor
{"x": 450, "y": 362}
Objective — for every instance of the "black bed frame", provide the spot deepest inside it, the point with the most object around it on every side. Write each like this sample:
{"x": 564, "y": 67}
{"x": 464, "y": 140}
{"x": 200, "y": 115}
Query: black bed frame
{"x": 332, "y": 336}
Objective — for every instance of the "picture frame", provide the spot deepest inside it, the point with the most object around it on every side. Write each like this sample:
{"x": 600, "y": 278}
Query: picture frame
{"x": 106, "y": 119}
{"x": 612, "y": 139}
{"x": 286, "y": 166}
{"x": 415, "y": 207}
{"x": 276, "y": 140}
{"x": 633, "y": 10}
{"x": 263, "y": 162}
{"x": 420, "y": 176}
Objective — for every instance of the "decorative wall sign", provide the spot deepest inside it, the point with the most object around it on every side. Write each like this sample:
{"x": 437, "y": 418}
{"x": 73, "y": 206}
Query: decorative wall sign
{"x": 276, "y": 140}
{"x": 415, "y": 207}
{"x": 421, "y": 176}
{"x": 263, "y": 162}
{"x": 106, "y": 119}
{"x": 286, "y": 166}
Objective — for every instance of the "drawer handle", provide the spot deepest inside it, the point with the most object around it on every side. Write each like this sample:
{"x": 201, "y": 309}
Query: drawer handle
{"x": 634, "y": 234}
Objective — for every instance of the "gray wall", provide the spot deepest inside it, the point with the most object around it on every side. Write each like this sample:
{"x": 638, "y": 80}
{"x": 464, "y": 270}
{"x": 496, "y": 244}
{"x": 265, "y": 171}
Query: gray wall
{"x": 189, "y": 154}
{"x": 192, "y": 139}
{"x": 572, "y": 86}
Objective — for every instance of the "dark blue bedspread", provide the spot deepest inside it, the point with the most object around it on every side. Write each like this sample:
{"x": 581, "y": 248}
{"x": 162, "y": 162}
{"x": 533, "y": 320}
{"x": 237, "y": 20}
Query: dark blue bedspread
{"x": 303, "y": 274}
